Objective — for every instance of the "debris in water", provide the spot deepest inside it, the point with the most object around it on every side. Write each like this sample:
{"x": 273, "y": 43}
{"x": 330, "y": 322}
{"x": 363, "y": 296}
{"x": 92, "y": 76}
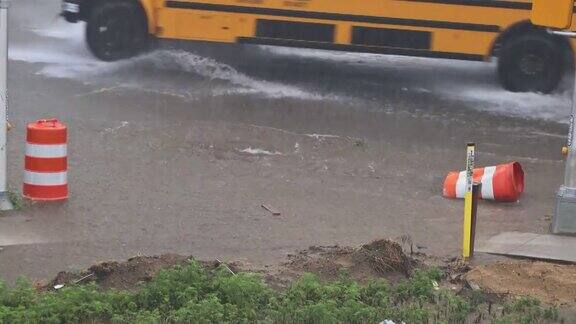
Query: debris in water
{"x": 117, "y": 128}
{"x": 321, "y": 136}
{"x": 258, "y": 151}
{"x": 271, "y": 210}
{"x": 98, "y": 91}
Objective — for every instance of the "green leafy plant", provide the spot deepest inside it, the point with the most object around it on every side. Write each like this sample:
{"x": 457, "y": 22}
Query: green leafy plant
{"x": 16, "y": 199}
{"x": 192, "y": 294}
{"x": 526, "y": 311}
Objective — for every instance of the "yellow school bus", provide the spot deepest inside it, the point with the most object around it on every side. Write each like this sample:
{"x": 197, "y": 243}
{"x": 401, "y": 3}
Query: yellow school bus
{"x": 529, "y": 58}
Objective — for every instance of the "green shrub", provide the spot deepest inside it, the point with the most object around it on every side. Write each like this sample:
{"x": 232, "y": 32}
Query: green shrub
{"x": 192, "y": 294}
{"x": 174, "y": 288}
{"x": 526, "y": 311}
{"x": 420, "y": 286}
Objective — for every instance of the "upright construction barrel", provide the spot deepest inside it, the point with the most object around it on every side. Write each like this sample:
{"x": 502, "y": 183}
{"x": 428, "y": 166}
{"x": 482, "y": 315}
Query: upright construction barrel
{"x": 46, "y": 165}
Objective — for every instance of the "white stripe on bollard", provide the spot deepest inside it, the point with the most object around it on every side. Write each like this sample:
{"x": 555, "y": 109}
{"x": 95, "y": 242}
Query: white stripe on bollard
{"x": 45, "y": 179}
{"x": 46, "y": 151}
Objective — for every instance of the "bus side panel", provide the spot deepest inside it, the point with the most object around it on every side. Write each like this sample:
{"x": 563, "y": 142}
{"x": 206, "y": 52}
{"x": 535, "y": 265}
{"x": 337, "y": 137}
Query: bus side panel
{"x": 228, "y": 27}
{"x": 412, "y": 10}
{"x": 203, "y": 25}
{"x": 463, "y": 41}
{"x": 228, "y": 24}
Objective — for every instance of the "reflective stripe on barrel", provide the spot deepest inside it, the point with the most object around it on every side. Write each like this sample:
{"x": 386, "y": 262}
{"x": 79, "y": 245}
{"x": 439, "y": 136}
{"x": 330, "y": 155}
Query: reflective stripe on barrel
{"x": 45, "y": 178}
{"x": 487, "y": 183}
{"x": 46, "y": 151}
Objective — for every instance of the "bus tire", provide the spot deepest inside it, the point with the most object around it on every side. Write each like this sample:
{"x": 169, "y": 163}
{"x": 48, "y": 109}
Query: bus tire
{"x": 117, "y": 30}
{"x": 531, "y": 63}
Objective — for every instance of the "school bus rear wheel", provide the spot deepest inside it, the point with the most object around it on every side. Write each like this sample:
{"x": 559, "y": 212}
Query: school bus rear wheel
{"x": 116, "y": 30}
{"x": 531, "y": 63}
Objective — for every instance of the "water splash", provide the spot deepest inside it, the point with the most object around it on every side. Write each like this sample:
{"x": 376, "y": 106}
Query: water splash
{"x": 62, "y": 50}
{"x": 472, "y": 83}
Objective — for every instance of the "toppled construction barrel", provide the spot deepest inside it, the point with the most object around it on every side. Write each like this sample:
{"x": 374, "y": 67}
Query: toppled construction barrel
{"x": 503, "y": 183}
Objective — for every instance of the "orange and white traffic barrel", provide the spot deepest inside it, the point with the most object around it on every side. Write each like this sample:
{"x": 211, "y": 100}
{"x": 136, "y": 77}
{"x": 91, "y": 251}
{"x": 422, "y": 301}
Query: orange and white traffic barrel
{"x": 46, "y": 165}
{"x": 500, "y": 183}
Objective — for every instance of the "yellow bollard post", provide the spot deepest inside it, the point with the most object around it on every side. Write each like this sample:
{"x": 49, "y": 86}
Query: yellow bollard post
{"x": 476, "y": 189}
{"x": 468, "y": 202}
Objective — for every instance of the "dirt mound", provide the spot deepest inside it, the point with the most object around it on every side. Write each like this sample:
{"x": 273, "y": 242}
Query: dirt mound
{"x": 379, "y": 259}
{"x": 548, "y": 282}
{"x": 385, "y": 256}
{"x": 125, "y": 275}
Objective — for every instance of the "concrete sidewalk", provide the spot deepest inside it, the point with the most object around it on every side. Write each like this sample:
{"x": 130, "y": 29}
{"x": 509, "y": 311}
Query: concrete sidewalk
{"x": 538, "y": 246}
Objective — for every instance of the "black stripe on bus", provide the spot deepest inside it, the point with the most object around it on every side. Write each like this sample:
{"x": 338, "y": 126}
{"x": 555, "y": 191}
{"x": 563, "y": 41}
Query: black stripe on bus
{"x": 311, "y": 32}
{"x": 481, "y": 3}
{"x": 359, "y": 48}
{"x": 332, "y": 16}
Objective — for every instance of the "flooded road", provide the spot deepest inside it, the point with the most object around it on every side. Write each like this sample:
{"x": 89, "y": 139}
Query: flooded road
{"x": 176, "y": 150}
